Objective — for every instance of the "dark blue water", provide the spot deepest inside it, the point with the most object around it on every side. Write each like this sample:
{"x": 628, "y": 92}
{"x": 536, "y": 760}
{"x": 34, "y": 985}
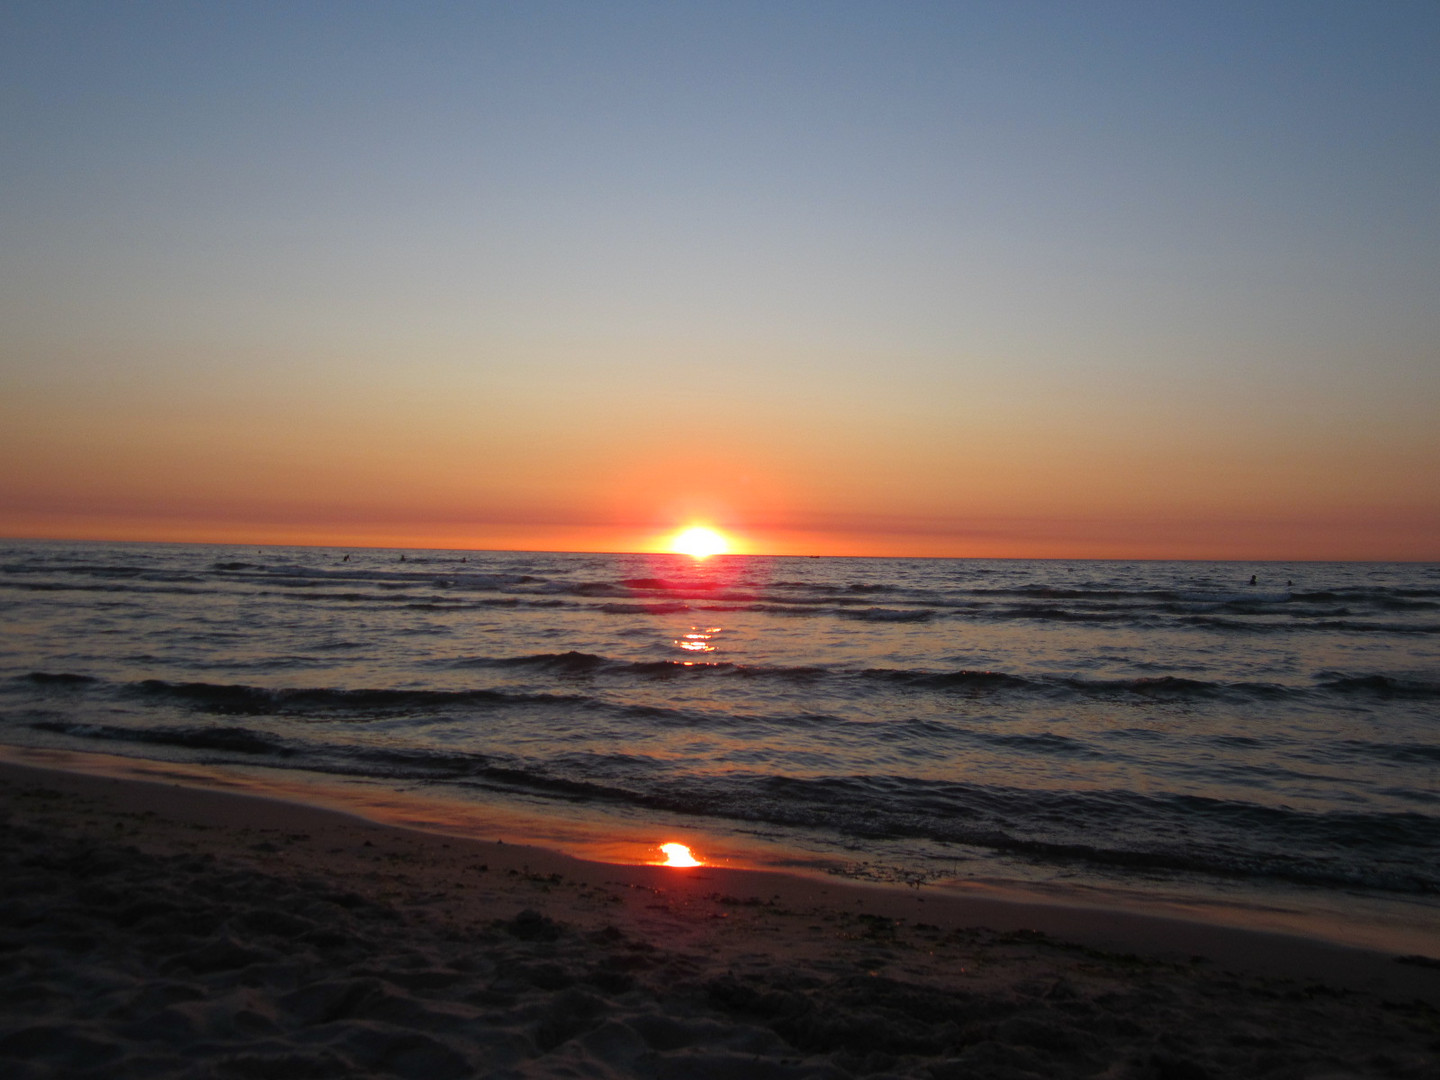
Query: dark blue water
{"x": 1134, "y": 725}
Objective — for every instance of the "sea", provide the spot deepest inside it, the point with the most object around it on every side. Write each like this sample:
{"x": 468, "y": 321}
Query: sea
{"x": 1249, "y": 742}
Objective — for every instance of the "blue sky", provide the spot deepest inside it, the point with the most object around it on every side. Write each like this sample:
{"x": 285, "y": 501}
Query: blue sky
{"x": 1184, "y": 256}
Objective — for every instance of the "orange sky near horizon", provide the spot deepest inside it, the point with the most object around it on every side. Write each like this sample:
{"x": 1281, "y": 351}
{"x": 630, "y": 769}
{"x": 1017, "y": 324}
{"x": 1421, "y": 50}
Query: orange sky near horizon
{"x": 964, "y": 283}
{"x": 925, "y": 474}
{"x": 1244, "y": 541}
{"x": 983, "y": 480}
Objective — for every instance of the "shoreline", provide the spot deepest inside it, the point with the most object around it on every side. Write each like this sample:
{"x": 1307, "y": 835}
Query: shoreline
{"x": 246, "y": 926}
{"x": 186, "y": 804}
{"x": 1362, "y": 925}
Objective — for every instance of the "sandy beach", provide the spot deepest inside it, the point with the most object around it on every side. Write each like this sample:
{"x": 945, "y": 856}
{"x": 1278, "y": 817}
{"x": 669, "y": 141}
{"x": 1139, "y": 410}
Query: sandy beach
{"x": 158, "y": 929}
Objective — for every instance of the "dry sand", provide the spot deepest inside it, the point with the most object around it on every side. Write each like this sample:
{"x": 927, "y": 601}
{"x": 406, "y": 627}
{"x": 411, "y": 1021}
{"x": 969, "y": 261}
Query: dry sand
{"x": 151, "y": 929}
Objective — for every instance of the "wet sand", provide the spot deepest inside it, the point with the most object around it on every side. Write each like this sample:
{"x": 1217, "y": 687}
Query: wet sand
{"x": 156, "y": 929}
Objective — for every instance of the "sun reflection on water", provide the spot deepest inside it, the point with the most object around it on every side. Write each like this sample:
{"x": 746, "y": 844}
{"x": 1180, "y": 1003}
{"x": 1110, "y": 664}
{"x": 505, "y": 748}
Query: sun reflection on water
{"x": 698, "y": 639}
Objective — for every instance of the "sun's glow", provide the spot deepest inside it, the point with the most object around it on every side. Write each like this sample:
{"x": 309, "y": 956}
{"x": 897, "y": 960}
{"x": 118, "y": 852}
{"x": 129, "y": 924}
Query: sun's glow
{"x": 678, "y": 855}
{"x": 699, "y": 541}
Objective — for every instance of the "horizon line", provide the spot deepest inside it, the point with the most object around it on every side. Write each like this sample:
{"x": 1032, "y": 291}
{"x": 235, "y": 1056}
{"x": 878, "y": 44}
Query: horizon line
{"x": 718, "y": 555}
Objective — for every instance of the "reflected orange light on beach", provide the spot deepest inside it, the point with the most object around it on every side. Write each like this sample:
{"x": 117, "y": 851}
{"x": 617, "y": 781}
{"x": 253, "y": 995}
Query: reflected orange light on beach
{"x": 678, "y": 855}
{"x": 698, "y": 541}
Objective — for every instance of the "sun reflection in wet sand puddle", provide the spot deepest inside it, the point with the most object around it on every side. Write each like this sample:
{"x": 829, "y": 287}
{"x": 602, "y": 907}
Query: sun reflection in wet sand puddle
{"x": 678, "y": 855}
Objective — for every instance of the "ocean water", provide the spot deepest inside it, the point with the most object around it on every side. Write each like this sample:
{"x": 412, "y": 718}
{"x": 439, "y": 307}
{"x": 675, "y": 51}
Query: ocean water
{"x": 1160, "y": 729}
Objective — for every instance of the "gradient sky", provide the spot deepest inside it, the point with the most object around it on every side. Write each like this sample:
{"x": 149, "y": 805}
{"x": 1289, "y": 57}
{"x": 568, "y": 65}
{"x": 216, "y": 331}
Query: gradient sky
{"x": 1033, "y": 279}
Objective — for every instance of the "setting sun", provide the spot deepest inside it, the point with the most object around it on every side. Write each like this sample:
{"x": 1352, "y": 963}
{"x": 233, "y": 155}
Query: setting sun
{"x": 698, "y": 541}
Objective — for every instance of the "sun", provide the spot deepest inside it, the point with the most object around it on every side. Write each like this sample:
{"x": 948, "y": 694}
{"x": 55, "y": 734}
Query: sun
{"x": 698, "y": 541}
